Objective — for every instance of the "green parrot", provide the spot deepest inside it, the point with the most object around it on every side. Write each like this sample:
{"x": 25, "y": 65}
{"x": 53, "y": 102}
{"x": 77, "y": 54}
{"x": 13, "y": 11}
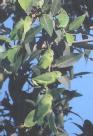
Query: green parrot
{"x": 46, "y": 59}
{"x": 43, "y": 107}
{"x": 46, "y": 78}
{"x": 29, "y": 119}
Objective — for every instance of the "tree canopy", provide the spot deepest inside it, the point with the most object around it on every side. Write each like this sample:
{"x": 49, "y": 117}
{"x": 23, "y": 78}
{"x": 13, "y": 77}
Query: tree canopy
{"x": 39, "y": 52}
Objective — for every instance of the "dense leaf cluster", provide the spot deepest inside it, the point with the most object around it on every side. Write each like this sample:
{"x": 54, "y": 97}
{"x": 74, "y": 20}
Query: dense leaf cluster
{"x": 40, "y": 51}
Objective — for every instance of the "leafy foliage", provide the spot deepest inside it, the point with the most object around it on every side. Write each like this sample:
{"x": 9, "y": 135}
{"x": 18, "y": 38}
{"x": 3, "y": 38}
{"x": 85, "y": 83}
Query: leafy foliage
{"x": 40, "y": 50}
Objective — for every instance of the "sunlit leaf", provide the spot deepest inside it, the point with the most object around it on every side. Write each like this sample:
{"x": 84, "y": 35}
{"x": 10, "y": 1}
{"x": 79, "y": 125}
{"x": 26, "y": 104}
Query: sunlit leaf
{"x": 2, "y": 49}
{"x": 1, "y": 77}
{"x": 47, "y": 23}
{"x": 63, "y": 18}
{"x": 70, "y": 38}
{"x": 27, "y": 5}
{"x": 77, "y": 23}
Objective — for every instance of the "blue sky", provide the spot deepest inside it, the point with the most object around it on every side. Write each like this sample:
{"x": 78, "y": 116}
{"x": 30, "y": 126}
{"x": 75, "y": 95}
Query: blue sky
{"x": 82, "y": 105}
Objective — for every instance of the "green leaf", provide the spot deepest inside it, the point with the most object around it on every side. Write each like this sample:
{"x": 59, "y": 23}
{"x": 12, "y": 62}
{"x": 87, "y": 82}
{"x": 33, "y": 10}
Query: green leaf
{"x": 70, "y": 38}
{"x": 54, "y": 92}
{"x": 29, "y": 119}
{"x": 47, "y": 78}
{"x": 63, "y": 18}
{"x": 87, "y": 54}
{"x": 2, "y": 49}
{"x": 28, "y": 4}
{"x": 77, "y": 23}
{"x": 68, "y": 60}
{"x": 52, "y": 124}
{"x": 59, "y": 36}
{"x": 17, "y": 28}
{"x": 46, "y": 59}
{"x": 2, "y": 56}
{"x": 56, "y": 6}
{"x": 25, "y": 4}
{"x": 4, "y": 39}
{"x": 44, "y": 107}
{"x": 47, "y": 23}
{"x": 10, "y": 53}
{"x": 46, "y": 6}
{"x": 17, "y": 62}
{"x": 30, "y": 35}
{"x": 27, "y": 25}
{"x": 80, "y": 74}
{"x": 69, "y": 95}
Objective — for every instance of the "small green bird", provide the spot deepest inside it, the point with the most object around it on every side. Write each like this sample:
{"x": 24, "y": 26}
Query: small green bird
{"x": 46, "y": 78}
{"x": 43, "y": 108}
{"x": 46, "y": 59}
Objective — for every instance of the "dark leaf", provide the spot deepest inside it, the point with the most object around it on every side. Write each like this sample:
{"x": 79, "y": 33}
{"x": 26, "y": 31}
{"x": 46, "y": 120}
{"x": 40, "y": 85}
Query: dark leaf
{"x": 47, "y": 23}
{"x": 56, "y": 6}
{"x": 67, "y": 61}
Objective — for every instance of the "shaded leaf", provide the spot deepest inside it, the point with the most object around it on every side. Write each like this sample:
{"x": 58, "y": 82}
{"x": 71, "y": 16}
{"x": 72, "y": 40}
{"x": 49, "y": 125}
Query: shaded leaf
{"x": 30, "y": 35}
{"x": 56, "y": 6}
{"x": 67, "y": 61}
{"x": 47, "y": 78}
{"x": 88, "y": 127}
{"x": 47, "y": 23}
{"x": 52, "y": 124}
{"x": 27, "y": 25}
{"x": 84, "y": 45}
{"x": 77, "y": 23}
{"x": 10, "y": 53}
{"x": 46, "y": 6}
{"x": 71, "y": 94}
{"x": 5, "y": 39}
{"x": 79, "y": 126}
{"x": 56, "y": 91}
{"x": 87, "y": 54}
{"x": 80, "y": 74}
{"x": 18, "y": 27}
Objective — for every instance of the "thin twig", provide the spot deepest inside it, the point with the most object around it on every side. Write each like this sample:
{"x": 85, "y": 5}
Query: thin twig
{"x": 83, "y": 41}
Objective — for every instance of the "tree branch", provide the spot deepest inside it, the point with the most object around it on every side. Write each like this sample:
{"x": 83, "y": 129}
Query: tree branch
{"x": 83, "y": 41}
